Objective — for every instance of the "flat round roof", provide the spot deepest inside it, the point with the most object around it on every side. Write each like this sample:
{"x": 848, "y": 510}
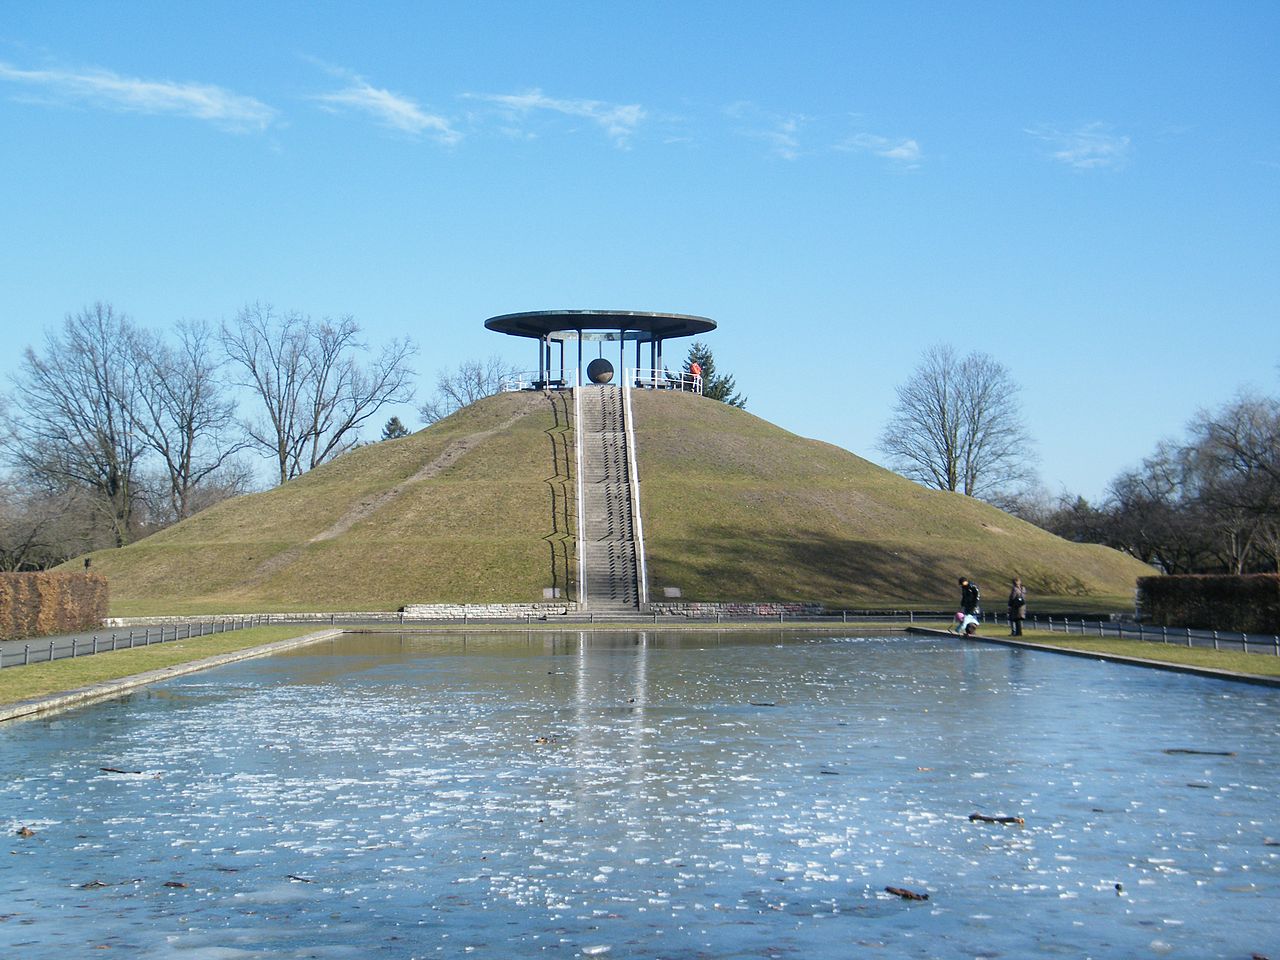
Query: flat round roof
{"x": 659, "y": 326}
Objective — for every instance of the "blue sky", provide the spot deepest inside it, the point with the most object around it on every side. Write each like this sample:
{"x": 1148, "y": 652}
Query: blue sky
{"x": 1090, "y": 193}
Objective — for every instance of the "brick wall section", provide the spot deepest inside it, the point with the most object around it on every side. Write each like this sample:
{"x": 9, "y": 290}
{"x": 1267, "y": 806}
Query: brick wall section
{"x": 45, "y": 603}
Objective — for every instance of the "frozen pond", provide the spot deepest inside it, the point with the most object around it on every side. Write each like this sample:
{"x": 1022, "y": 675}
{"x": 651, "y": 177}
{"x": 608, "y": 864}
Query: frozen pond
{"x": 648, "y": 795}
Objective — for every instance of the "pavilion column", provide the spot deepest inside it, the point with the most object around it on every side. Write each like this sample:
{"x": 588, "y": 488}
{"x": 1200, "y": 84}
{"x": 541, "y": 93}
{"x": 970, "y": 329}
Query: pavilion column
{"x": 542, "y": 361}
{"x": 577, "y": 380}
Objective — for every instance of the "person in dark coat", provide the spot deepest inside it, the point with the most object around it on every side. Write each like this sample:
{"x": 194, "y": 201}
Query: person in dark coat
{"x": 969, "y": 597}
{"x": 1017, "y": 607}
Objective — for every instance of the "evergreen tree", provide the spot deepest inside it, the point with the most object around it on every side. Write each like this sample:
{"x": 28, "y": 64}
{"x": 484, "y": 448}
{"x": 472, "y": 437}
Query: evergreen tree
{"x": 394, "y": 429}
{"x": 716, "y": 386}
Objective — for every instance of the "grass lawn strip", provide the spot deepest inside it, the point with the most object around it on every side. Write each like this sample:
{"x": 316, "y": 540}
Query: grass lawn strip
{"x": 41, "y": 687}
{"x": 1229, "y": 664}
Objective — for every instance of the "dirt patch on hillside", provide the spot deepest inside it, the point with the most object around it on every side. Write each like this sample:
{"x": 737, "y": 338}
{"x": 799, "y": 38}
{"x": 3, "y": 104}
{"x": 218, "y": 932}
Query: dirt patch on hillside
{"x": 364, "y": 508}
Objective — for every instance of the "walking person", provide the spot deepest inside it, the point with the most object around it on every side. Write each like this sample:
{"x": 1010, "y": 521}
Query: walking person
{"x": 1017, "y": 607}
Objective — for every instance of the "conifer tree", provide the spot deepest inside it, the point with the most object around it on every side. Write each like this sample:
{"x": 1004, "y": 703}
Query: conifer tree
{"x": 716, "y": 386}
{"x": 394, "y": 429}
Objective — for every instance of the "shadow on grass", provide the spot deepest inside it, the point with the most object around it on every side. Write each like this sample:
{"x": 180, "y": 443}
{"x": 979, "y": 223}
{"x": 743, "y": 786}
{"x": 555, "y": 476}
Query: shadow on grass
{"x": 560, "y": 539}
{"x": 718, "y": 563}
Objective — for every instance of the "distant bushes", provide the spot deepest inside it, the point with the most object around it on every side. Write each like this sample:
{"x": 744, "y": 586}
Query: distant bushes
{"x": 39, "y": 604}
{"x": 1249, "y": 604}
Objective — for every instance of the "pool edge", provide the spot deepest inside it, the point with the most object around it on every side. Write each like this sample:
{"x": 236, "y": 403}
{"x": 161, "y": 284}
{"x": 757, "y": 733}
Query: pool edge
{"x": 111, "y": 688}
{"x": 1211, "y": 672}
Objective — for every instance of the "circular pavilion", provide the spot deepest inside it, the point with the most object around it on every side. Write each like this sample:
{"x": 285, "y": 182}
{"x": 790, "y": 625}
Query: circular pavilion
{"x": 551, "y": 327}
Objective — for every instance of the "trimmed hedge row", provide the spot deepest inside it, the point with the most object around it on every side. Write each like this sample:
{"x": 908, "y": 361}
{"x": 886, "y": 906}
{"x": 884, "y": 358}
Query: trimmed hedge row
{"x": 39, "y": 604}
{"x": 1249, "y": 604}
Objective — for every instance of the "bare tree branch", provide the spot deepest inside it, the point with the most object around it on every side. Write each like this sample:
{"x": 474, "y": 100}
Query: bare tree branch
{"x": 186, "y": 418}
{"x": 472, "y": 380}
{"x": 75, "y": 416}
{"x": 314, "y": 393}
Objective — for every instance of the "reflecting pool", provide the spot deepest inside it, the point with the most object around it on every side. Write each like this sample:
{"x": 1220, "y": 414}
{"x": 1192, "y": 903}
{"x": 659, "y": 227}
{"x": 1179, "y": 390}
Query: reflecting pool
{"x": 699, "y": 795}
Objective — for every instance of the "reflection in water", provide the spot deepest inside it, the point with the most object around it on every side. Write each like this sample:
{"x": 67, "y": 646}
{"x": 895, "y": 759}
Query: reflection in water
{"x": 646, "y": 794}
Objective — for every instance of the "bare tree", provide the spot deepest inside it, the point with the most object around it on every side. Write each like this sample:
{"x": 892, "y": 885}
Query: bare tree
{"x": 472, "y": 380}
{"x": 957, "y": 426}
{"x": 1153, "y": 514}
{"x": 1075, "y": 518}
{"x": 75, "y": 419}
{"x": 187, "y": 419}
{"x": 25, "y": 528}
{"x": 1209, "y": 503}
{"x": 314, "y": 392}
{"x": 41, "y": 528}
{"x": 1235, "y": 456}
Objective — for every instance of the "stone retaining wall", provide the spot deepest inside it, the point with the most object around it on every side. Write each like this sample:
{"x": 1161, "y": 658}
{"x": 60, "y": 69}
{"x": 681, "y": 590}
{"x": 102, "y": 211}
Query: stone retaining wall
{"x": 413, "y": 612}
{"x": 487, "y": 611}
{"x": 418, "y": 612}
{"x": 718, "y": 609}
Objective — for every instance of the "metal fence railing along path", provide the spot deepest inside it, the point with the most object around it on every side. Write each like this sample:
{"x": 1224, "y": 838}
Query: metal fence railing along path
{"x": 45, "y": 649}
{"x": 22, "y": 652}
{"x": 1136, "y": 630}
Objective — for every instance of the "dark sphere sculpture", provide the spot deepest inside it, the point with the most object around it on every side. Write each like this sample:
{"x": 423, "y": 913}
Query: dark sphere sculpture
{"x": 600, "y": 370}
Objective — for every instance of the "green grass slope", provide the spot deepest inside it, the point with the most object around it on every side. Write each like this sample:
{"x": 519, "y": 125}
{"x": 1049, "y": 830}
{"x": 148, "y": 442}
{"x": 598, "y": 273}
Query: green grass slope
{"x": 736, "y": 508}
{"x": 473, "y": 508}
{"x": 479, "y": 507}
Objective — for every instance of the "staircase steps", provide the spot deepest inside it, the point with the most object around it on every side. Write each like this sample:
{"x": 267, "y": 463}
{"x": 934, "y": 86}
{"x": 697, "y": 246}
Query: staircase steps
{"x": 608, "y": 528}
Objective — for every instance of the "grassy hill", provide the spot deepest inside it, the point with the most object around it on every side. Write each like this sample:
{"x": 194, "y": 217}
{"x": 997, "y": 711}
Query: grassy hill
{"x": 471, "y": 508}
{"x": 478, "y": 507}
{"x": 737, "y": 508}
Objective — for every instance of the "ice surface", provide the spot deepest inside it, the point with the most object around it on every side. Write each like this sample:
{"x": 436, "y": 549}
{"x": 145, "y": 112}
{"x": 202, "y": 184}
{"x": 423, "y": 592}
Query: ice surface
{"x": 612, "y": 795}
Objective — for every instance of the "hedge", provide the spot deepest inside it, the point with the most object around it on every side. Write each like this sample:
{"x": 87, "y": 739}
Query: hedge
{"x": 1248, "y": 604}
{"x": 40, "y": 604}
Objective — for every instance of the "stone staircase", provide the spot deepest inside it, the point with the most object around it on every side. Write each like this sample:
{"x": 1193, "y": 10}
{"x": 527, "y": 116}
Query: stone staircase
{"x": 608, "y": 529}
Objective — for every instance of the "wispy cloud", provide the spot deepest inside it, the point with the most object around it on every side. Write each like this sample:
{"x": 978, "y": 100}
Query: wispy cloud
{"x": 1089, "y": 147}
{"x": 105, "y": 89}
{"x": 389, "y": 109}
{"x": 780, "y": 132}
{"x": 783, "y": 138}
{"x": 619, "y": 121}
{"x": 902, "y": 151}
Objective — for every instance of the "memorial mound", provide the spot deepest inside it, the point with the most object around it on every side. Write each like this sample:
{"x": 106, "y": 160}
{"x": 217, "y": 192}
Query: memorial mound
{"x": 479, "y": 508}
